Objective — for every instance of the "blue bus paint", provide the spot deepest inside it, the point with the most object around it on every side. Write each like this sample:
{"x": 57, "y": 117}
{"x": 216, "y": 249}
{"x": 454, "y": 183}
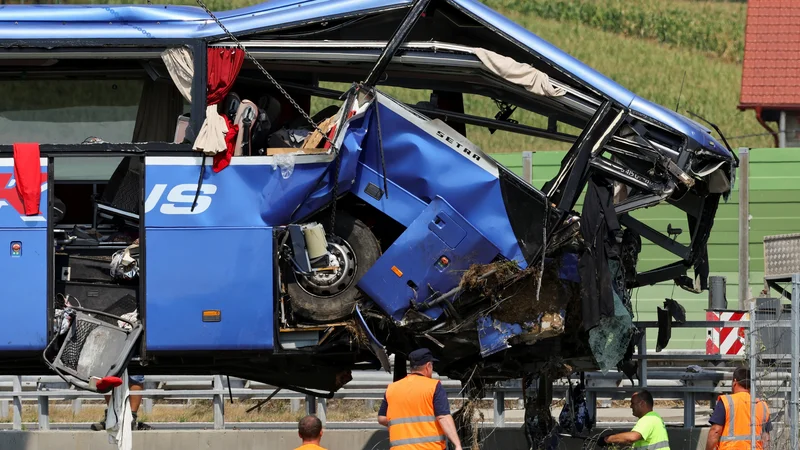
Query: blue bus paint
{"x": 400, "y": 205}
{"x": 23, "y": 322}
{"x": 191, "y": 270}
{"x": 424, "y": 165}
{"x": 439, "y": 232}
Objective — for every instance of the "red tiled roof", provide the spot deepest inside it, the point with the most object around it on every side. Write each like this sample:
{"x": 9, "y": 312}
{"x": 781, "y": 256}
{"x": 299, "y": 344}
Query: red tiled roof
{"x": 771, "y": 73}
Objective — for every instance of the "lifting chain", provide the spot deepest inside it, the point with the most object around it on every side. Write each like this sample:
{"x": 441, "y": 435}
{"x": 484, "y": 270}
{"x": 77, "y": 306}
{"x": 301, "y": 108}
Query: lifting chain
{"x": 277, "y": 85}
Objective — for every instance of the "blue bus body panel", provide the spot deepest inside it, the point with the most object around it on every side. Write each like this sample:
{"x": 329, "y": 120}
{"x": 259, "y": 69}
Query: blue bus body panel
{"x": 438, "y": 232}
{"x": 23, "y": 282}
{"x": 191, "y": 270}
{"x": 217, "y": 257}
{"x": 427, "y": 167}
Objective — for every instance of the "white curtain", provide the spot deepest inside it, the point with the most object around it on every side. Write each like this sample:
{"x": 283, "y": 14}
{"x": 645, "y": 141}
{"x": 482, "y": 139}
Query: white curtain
{"x": 180, "y": 65}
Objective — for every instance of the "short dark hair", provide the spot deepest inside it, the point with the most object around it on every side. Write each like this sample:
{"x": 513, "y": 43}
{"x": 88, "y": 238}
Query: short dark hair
{"x": 742, "y": 376}
{"x": 309, "y": 427}
{"x": 417, "y": 368}
{"x": 645, "y": 396}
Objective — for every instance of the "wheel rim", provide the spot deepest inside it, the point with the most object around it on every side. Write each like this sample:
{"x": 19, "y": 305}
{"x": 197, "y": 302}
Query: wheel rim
{"x": 329, "y": 284}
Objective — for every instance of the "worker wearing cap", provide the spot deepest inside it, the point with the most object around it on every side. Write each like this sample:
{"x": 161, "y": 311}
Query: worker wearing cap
{"x": 649, "y": 433}
{"x": 416, "y": 408}
{"x": 730, "y": 421}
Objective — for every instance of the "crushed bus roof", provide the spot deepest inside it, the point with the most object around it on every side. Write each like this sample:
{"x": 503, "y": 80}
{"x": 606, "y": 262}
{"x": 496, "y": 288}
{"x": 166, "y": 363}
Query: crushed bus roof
{"x": 158, "y": 25}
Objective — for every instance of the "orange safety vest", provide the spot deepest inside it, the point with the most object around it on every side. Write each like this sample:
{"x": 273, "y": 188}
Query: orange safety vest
{"x": 412, "y": 422}
{"x": 736, "y": 431}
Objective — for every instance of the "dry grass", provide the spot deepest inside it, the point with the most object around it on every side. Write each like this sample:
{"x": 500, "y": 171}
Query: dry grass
{"x": 202, "y": 411}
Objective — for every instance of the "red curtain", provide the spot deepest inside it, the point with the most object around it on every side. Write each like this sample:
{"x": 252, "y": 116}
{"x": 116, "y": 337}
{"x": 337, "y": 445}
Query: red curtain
{"x": 223, "y": 68}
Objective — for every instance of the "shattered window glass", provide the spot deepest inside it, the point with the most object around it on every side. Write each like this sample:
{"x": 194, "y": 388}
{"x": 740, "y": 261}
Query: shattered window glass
{"x": 610, "y": 338}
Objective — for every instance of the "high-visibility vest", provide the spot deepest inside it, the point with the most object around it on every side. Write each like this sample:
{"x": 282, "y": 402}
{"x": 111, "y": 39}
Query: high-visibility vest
{"x": 658, "y": 437}
{"x": 412, "y": 422}
{"x": 736, "y": 431}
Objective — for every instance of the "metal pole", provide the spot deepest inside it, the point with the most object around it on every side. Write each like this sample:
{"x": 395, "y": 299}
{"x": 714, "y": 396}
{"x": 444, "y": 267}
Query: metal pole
{"x": 793, "y": 410}
{"x": 311, "y": 404}
{"x": 527, "y": 166}
{"x": 782, "y": 130}
{"x": 44, "y": 413}
{"x": 322, "y": 410}
{"x": 219, "y": 404}
{"x": 499, "y": 402}
{"x": 744, "y": 227}
{"x": 752, "y": 338}
{"x": 417, "y": 8}
{"x": 16, "y": 384}
{"x": 643, "y": 358}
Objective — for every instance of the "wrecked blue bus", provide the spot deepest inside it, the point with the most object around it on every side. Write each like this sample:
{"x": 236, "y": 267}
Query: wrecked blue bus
{"x": 172, "y": 204}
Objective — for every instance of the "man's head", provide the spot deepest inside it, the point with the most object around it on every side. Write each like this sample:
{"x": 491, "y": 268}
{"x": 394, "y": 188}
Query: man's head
{"x": 421, "y": 361}
{"x": 741, "y": 380}
{"x": 310, "y": 429}
{"x": 641, "y": 403}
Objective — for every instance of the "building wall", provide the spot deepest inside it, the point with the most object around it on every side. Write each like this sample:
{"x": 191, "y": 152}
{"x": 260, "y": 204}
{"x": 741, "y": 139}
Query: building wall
{"x": 774, "y": 207}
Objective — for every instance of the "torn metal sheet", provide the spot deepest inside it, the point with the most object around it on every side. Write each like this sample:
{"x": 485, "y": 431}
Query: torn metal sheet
{"x": 494, "y": 334}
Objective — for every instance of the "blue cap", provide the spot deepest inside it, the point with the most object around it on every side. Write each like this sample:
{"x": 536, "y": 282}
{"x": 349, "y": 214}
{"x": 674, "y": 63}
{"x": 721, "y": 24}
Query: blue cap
{"x": 420, "y": 356}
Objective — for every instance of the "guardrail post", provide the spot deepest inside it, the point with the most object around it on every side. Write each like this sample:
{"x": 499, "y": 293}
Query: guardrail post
{"x": 322, "y": 410}
{"x": 591, "y": 401}
{"x": 527, "y": 166}
{"x": 3, "y": 409}
{"x": 643, "y": 358}
{"x": 295, "y": 405}
{"x": 77, "y": 405}
{"x": 499, "y": 402}
{"x": 688, "y": 410}
{"x": 147, "y": 402}
{"x": 44, "y": 412}
{"x": 16, "y": 385}
{"x": 219, "y": 404}
{"x": 311, "y": 404}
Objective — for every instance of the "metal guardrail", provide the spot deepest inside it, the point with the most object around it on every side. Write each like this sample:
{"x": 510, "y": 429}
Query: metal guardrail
{"x": 673, "y": 384}
{"x": 664, "y": 383}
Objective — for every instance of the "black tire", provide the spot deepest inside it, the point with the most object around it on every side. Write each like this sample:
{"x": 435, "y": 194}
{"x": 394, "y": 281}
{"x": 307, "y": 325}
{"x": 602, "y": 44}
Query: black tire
{"x": 367, "y": 250}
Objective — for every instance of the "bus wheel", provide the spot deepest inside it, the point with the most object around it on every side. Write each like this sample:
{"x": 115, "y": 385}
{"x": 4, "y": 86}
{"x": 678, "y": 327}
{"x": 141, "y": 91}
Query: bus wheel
{"x": 327, "y": 296}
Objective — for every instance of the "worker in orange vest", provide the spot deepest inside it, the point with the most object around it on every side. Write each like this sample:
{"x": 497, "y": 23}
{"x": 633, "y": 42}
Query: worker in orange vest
{"x": 310, "y": 430}
{"x": 730, "y": 421}
{"x": 416, "y": 408}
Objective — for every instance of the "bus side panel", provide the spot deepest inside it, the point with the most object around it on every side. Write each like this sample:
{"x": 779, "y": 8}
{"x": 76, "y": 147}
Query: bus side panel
{"x": 217, "y": 257}
{"x": 23, "y": 266}
{"x": 195, "y": 271}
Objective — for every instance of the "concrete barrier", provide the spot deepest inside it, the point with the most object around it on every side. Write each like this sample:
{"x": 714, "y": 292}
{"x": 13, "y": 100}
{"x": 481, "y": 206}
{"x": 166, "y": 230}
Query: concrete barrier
{"x": 498, "y": 439}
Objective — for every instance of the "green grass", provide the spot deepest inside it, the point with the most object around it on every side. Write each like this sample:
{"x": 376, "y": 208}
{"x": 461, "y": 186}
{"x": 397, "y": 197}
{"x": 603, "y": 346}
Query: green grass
{"x": 651, "y": 70}
{"x": 640, "y": 63}
{"x": 716, "y": 28}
